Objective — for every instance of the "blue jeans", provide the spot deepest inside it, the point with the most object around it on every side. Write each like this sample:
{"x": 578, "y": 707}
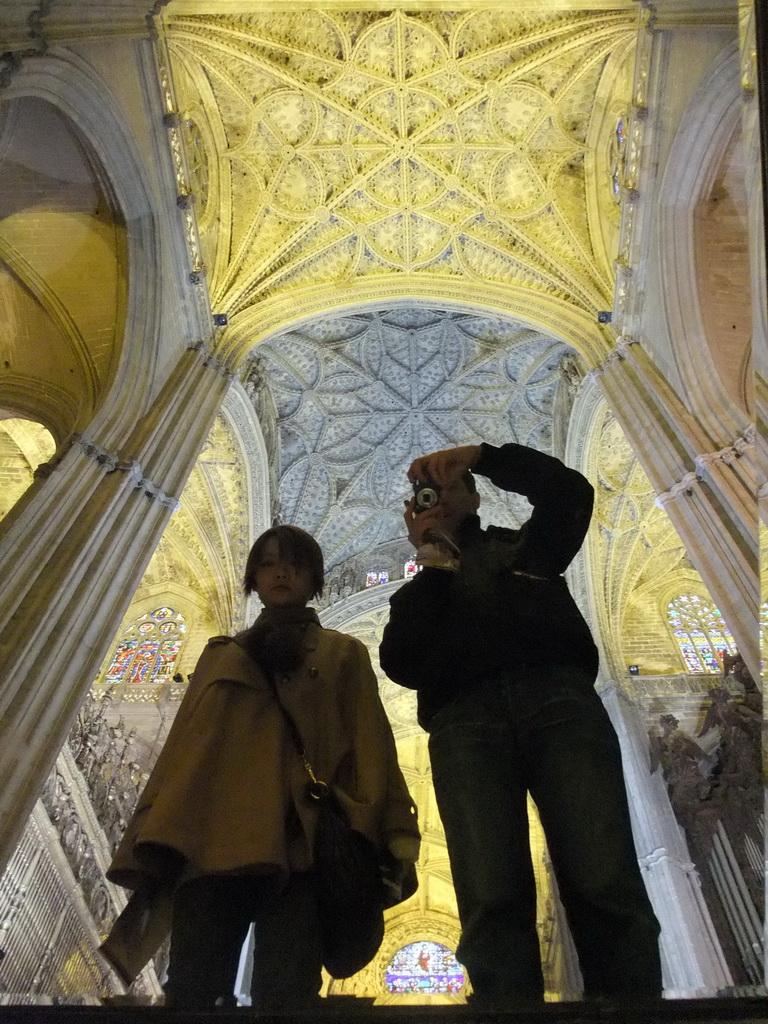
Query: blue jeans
{"x": 543, "y": 730}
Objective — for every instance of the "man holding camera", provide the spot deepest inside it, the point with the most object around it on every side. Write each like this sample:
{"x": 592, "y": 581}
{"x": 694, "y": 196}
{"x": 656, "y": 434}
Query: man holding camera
{"x": 504, "y": 666}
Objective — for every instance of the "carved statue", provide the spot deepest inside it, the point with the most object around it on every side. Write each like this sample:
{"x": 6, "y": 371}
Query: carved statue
{"x": 720, "y": 793}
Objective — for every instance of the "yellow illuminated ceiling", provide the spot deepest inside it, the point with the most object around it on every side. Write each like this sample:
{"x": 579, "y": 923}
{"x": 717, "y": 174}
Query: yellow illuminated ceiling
{"x": 337, "y": 154}
{"x": 24, "y": 445}
{"x": 62, "y": 270}
{"x": 349, "y": 150}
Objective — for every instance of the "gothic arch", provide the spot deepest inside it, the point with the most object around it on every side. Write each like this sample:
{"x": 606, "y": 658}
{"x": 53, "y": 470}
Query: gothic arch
{"x": 239, "y": 410}
{"x": 58, "y": 226}
{"x": 632, "y": 551}
{"x": 81, "y": 96}
{"x": 549, "y": 314}
{"x": 582, "y": 452}
{"x": 706, "y": 129}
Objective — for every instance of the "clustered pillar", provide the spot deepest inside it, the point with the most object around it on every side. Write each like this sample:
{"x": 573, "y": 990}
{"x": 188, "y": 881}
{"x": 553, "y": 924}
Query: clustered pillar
{"x": 71, "y": 556}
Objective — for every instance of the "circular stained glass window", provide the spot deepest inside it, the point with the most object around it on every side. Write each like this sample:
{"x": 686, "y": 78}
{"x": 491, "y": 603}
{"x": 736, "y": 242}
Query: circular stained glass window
{"x": 424, "y": 968}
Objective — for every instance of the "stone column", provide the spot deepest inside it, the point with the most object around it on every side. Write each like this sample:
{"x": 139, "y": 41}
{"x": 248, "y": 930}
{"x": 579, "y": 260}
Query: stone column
{"x": 71, "y": 555}
{"x": 693, "y": 964}
{"x": 709, "y": 496}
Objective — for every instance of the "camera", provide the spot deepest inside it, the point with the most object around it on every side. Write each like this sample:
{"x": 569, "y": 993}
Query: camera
{"x": 426, "y": 495}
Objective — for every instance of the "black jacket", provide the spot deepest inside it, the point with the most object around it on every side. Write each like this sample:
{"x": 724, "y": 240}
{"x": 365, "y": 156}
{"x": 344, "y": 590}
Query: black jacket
{"x": 508, "y": 604}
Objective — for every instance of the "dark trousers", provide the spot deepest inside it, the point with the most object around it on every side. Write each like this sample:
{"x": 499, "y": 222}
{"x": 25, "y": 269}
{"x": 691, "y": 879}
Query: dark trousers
{"x": 211, "y": 917}
{"x": 543, "y": 731}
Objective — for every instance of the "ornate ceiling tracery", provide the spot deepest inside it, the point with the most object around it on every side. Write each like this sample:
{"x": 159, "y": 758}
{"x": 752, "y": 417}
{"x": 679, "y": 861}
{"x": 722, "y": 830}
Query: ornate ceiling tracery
{"x": 362, "y": 145}
{"x": 359, "y": 397}
{"x": 640, "y": 551}
{"x": 203, "y": 547}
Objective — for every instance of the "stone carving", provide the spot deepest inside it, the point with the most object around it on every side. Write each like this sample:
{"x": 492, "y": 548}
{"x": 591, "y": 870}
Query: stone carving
{"x": 726, "y": 782}
{"x": 78, "y": 848}
{"x": 716, "y": 792}
{"x": 104, "y": 754}
{"x": 358, "y": 397}
{"x": 572, "y": 372}
{"x": 371, "y": 143}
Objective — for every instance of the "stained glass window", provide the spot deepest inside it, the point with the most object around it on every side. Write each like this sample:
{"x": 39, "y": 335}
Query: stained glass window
{"x": 424, "y": 968}
{"x": 125, "y": 651}
{"x": 410, "y": 568}
{"x": 149, "y": 648}
{"x": 376, "y": 576}
{"x": 700, "y": 633}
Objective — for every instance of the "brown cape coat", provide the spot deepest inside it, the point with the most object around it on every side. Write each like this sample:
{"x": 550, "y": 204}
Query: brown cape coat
{"x": 229, "y": 777}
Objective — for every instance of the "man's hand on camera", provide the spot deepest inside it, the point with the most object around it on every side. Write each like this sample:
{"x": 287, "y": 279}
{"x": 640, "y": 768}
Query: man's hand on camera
{"x": 426, "y": 531}
{"x": 444, "y": 466}
{"x": 417, "y": 525}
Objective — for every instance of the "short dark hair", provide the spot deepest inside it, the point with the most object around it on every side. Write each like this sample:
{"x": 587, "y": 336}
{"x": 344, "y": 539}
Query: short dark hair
{"x": 295, "y": 546}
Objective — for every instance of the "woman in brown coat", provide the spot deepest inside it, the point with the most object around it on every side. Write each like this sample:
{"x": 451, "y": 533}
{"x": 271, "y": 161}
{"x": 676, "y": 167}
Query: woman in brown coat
{"x": 223, "y": 833}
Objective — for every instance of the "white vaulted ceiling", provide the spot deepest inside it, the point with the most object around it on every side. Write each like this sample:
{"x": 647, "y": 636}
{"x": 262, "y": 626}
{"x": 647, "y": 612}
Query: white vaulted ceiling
{"x": 358, "y": 397}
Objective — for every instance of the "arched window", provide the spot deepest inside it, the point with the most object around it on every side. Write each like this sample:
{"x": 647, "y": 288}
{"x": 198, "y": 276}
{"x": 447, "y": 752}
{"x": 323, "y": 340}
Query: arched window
{"x": 425, "y": 968}
{"x": 700, "y": 633}
{"x": 149, "y": 649}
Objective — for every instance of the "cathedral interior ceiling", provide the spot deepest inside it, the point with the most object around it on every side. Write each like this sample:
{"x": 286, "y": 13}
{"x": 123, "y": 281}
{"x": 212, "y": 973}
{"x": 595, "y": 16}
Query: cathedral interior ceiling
{"x": 359, "y": 397}
{"x": 204, "y": 546}
{"x": 335, "y": 149}
{"x": 58, "y": 229}
{"x": 640, "y": 550}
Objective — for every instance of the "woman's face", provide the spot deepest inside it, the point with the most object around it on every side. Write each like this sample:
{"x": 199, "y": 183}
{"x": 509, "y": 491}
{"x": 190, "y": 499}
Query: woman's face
{"x": 279, "y": 583}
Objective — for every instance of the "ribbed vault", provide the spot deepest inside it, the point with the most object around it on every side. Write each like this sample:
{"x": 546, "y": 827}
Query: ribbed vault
{"x": 346, "y": 147}
{"x": 358, "y": 397}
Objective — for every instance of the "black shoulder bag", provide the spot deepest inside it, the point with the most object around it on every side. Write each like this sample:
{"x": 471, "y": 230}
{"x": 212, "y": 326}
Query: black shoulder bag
{"x": 347, "y": 874}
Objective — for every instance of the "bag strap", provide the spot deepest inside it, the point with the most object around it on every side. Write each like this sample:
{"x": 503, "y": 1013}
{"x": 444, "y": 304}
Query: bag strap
{"x": 317, "y": 789}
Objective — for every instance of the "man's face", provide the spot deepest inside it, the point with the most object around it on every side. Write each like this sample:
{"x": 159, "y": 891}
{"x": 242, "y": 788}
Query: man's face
{"x": 454, "y": 505}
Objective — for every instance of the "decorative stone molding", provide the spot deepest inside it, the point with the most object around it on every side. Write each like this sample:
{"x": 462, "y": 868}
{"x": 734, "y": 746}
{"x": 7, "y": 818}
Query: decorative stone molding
{"x": 13, "y": 59}
{"x": 684, "y": 486}
{"x": 209, "y": 359}
{"x": 730, "y": 453}
{"x": 617, "y": 354}
{"x": 704, "y": 462}
{"x": 112, "y": 463}
{"x": 184, "y": 178}
{"x": 663, "y": 855}
{"x": 635, "y": 206}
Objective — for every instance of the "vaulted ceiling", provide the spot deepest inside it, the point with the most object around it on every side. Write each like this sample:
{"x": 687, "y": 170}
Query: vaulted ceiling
{"x": 371, "y": 151}
{"x": 357, "y": 398}
{"x": 364, "y": 183}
